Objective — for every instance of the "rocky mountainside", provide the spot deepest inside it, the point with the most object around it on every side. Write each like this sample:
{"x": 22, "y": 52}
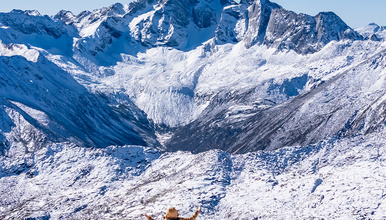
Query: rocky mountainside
{"x": 42, "y": 104}
{"x": 106, "y": 114}
{"x": 349, "y": 103}
{"x": 210, "y": 74}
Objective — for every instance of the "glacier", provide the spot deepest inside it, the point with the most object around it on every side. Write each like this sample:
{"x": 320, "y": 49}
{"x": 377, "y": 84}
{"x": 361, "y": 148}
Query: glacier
{"x": 130, "y": 109}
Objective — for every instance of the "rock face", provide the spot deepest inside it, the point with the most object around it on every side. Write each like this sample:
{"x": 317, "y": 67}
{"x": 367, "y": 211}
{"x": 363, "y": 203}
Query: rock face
{"x": 173, "y": 23}
{"x": 31, "y": 22}
{"x": 259, "y": 16}
{"x": 268, "y": 23}
{"x": 306, "y": 34}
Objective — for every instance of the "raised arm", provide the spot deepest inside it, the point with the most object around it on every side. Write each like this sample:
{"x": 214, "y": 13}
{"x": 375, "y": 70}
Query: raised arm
{"x": 148, "y": 217}
{"x": 193, "y": 216}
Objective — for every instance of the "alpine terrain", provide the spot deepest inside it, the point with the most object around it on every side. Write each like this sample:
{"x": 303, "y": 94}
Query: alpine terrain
{"x": 243, "y": 108}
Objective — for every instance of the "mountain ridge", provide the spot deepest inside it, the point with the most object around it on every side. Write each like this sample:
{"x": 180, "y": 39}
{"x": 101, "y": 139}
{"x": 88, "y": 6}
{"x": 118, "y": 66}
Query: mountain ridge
{"x": 109, "y": 52}
{"x": 267, "y": 14}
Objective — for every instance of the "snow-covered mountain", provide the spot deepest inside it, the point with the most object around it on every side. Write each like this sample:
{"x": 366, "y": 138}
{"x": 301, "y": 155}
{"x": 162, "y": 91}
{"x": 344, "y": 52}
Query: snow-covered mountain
{"x": 300, "y": 98}
{"x": 41, "y": 104}
{"x": 373, "y": 32}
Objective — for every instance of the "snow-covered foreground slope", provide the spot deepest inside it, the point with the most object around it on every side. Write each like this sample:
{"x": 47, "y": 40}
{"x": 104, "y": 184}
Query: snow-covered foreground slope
{"x": 336, "y": 179}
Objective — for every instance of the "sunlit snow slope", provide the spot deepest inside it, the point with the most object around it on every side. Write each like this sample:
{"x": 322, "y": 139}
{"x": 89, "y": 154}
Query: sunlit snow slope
{"x": 336, "y": 179}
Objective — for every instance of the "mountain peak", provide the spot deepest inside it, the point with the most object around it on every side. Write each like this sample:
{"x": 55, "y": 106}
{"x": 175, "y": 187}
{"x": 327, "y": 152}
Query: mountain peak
{"x": 373, "y": 32}
{"x": 330, "y": 26}
{"x": 174, "y": 23}
{"x": 263, "y": 3}
{"x": 331, "y": 17}
{"x": 66, "y": 16}
{"x": 274, "y": 26}
{"x": 26, "y": 12}
{"x": 116, "y": 9}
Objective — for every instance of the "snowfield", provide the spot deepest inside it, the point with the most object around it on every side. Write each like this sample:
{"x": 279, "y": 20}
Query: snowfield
{"x": 335, "y": 179}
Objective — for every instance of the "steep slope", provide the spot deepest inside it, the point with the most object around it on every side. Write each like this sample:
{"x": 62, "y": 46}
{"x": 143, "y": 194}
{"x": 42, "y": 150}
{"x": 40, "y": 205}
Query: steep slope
{"x": 264, "y": 22}
{"x": 237, "y": 72}
{"x": 146, "y": 23}
{"x": 192, "y": 86}
{"x": 350, "y": 102}
{"x": 42, "y": 104}
{"x": 32, "y": 29}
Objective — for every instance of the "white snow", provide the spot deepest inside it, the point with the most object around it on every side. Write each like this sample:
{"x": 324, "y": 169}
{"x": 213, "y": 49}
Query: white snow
{"x": 336, "y": 179}
{"x": 39, "y": 116}
{"x": 154, "y": 79}
{"x": 18, "y": 50}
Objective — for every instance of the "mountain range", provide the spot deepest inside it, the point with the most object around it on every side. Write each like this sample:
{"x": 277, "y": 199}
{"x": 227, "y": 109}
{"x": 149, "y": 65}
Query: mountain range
{"x": 248, "y": 86}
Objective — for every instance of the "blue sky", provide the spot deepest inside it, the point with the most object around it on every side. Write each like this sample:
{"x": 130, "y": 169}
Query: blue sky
{"x": 52, "y": 7}
{"x": 356, "y": 13}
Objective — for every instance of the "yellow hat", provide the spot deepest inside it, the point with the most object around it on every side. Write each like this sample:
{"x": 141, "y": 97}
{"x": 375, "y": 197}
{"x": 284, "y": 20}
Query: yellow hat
{"x": 171, "y": 213}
